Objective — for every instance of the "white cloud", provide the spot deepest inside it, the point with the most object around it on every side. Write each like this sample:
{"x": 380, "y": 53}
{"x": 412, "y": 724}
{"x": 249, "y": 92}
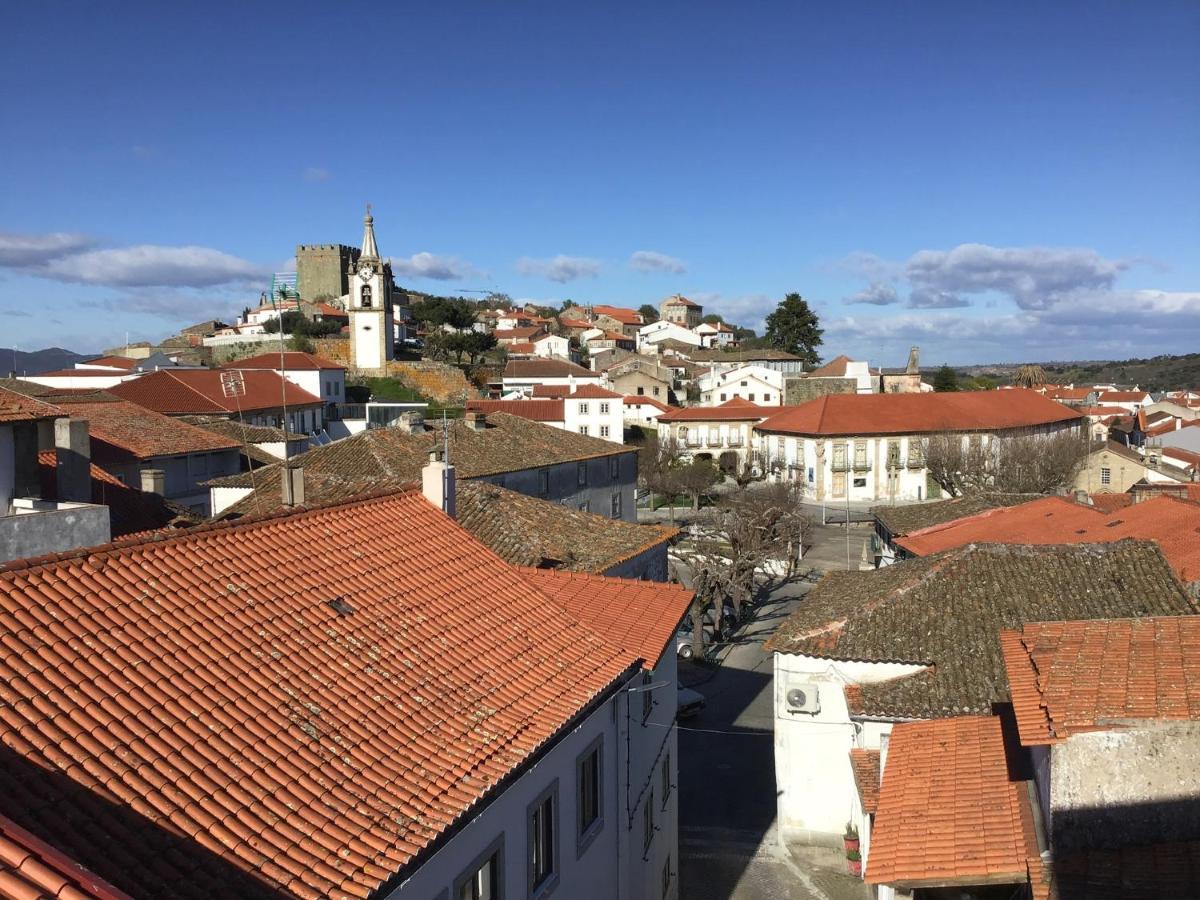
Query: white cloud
{"x": 316, "y": 173}
{"x": 31, "y": 251}
{"x": 747, "y": 310}
{"x": 876, "y": 294}
{"x": 653, "y": 261}
{"x": 74, "y": 259}
{"x": 430, "y": 265}
{"x": 147, "y": 265}
{"x": 1033, "y": 277}
{"x": 927, "y": 298}
{"x": 560, "y": 268}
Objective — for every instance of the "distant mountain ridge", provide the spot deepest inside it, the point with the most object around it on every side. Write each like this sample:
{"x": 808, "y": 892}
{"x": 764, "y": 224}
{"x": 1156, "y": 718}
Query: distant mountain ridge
{"x": 34, "y": 362}
{"x": 1157, "y": 373}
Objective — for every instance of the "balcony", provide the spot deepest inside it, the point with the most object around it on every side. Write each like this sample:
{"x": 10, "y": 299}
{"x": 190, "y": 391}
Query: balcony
{"x": 916, "y": 462}
{"x": 840, "y": 465}
{"x": 862, "y": 465}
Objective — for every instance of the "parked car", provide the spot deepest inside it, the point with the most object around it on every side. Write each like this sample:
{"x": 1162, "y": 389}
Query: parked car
{"x": 683, "y": 640}
{"x": 688, "y": 702}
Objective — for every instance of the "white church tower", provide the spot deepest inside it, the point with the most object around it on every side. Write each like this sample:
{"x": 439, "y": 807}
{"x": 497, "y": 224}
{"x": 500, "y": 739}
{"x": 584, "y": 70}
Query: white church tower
{"x": 370, "y": 306}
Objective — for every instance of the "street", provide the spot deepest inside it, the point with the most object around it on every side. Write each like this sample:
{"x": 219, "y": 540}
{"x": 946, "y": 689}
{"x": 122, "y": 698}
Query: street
{"x": 728, "y": 845}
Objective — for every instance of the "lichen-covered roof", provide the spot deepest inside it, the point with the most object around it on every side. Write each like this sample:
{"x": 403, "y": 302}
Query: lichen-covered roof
{"x": 945, "y": 613}
{"x": 900, "y": 520}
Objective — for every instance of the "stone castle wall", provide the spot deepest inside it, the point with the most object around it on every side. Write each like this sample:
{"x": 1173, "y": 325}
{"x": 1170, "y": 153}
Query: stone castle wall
{"x": 322, "y": 269}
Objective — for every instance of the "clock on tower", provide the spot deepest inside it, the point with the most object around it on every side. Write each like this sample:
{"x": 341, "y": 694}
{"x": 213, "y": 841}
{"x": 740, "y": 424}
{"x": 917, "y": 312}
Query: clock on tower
{"x": 370, "y": 306}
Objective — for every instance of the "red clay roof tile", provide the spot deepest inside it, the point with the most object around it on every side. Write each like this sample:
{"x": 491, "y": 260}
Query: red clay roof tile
{"x": 865, "y": 764}
{"x": 376, "y": 729}
{"x": 199, "y": 391}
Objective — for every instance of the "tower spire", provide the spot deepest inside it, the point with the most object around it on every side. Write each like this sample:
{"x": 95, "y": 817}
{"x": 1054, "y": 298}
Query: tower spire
{"x": 369, "y": 248}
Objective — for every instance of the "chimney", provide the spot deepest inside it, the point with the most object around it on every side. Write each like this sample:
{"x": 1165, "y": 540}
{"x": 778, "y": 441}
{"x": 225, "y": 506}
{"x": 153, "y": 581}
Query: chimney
{"x": 73, "y": 452}
{"x": 437, "y": 484}
{"x": 1083, "y": 498}
{"x": 292, "y": 485}
{"x": 914, "y": 361}
{"x": 154, "y": 481}
{"x": 475, "y": 419}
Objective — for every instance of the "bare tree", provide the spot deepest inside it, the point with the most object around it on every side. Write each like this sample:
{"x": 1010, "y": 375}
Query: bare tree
{"x": 734, "y": 542}
{"x": 658, "y": 467}
{"x": 1024, "y": 464}
{"x": 697, "y": 478}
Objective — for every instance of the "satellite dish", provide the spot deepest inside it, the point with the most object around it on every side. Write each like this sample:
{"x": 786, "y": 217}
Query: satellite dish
{"x": 797, "y": 698}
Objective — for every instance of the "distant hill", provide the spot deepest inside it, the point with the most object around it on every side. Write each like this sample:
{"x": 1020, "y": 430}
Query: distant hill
{"x": 1158, "y": 373}
{"x": 34, "y": 362}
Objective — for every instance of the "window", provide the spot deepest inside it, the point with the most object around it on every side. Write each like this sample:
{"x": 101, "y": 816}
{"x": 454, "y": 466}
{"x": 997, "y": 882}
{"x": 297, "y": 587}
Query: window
{"x": 484, "y": 878}
{"x": 581, "y": 473}
{"x": 666, "y": 878}
{"x": 665, "y": 772}
{"x": 745, "y": 383}
{"x": 603, "y": 431}
{"x": 583, "y": 409}
{"x": 647, "y": 696}
{"x": 604, "y": 409}
{"x": 614, "y": 467}
{"x": 583, "y": 429}
{"x": 616, "y": 506}
{"x": 641, "y": 391}
{"x": 724, "y": 397}
{"x": 766, "y": 398}
{"x": 544, "y": 482}
{"x": 1106, "y": 475}
{"x": 839, "y": 457}
{"x": 589, "y": 803}
{"x": 751, "y": 398}
{"x": 648, "y": 822}
{"x": 893, "y": 454}
{"x": 365, "y": 294}
{"x": 860, "y": 454}
{"x": 543, "y": 849}
{"x": 656, "y": 392}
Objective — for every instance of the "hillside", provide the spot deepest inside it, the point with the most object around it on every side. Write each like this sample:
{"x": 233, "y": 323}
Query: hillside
{"x": 34, "y": 362}
{"x": 1158, "y": 373}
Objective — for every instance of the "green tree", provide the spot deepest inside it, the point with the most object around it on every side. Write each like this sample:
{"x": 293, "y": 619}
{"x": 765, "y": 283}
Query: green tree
{"x": 945, "y": 380}
{"x": 301, "y": 344}
{"x": 459, "y": 314}
{"x": 713, "y": 318}
{"x": 649, "y": 313}
{"x": 795, "y": 328}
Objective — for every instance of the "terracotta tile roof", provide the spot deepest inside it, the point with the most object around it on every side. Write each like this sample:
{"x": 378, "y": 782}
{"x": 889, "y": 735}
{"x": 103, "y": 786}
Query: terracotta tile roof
{"x": 640, "y": 616}
{"x": 517, "y": 334}
{"x": 1102, "y": 411}
{"x": 546, "y": 368}
{"x": 31, "y": 868}
{"x": 555, "y": 391}
{"x": 735, "y": 410}
{"x": 633, "y": 400}
{"x": 620, "y": 313}
{"x": 680, "y": 300}
{"x": 1172, "y": 524}
{"x": 574, "y": 323}
{"x": 519, "y": 347}
{"x": 906, "y": 519}
{"x": 948, "y": 811}
{"x": 1121, "y": 396}
{"x": 865, "y": 765}
{"x": 534, "y": 410}
{"x": 944, "y": 613}
{"x": 237, "y": 432}
{"x": 1109, "y": 503}
{"x": 293, "y": 360}
{"x": 742, "y": 355}
{"x": 528, "y": 531}
{"x": 115, "y": 362}
{"x": 16, "y": 407}
{"x": 387, "y": 457}
{"x": 1066, "y": 393}
{"x": 593, "y": 392}
{"x": 612, "y": 336}
{"x": 835, "y": 368}
{"x": 855, "y": 414}
{"x": 120, "y": 427}
{"x": 1186, "y": 458}
{"x": 204, "y": 685}
{"x": 198, "y": 391}
{"x": 1068, "y": 677}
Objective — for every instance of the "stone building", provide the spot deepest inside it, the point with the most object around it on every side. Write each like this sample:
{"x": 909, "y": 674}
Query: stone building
{"x": 323, "y": 270}
{"x": 681, "y": 311}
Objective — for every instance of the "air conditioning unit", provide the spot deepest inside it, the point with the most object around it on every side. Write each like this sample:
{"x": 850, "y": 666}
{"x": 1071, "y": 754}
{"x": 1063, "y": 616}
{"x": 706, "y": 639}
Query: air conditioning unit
{"x": 802, "y": 698}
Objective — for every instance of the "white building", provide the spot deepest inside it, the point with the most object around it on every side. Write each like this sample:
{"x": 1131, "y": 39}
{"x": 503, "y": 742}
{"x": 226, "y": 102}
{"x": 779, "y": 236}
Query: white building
{"x": 589, "y": 410}
{"x": 319, "y": 377}
{"x": 654, "y": 333}
{"x": 1131, "y": 401}
{"x": 721, "y": 433}
{"x": 644, "y": 411}
{"x": 715, "y": 334}
{"x": 870, "y": 448}
{"x": 755, "y": 383}
{"x": 370, "y": 306}
{"x": 524, "y": 374}
{"x": 845, "y": 368}
{"x": 552, "y": 345}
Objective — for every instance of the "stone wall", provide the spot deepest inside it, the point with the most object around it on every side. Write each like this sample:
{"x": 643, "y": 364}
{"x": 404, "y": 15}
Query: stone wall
{"x": 439, "y": 382}
{"x": 322, "y": 269}
{"x": 801, "y": 390}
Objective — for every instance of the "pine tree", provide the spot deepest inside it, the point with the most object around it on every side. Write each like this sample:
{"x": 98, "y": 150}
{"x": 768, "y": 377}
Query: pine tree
{"x": 945, "y": 380}
{"x": 795, "y": 328}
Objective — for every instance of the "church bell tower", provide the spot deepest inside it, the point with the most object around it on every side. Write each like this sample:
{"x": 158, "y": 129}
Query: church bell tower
{"x": 370, "y": 306}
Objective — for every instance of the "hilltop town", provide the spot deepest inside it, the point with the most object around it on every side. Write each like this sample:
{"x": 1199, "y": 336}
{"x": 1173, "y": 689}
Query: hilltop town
{"x": 363, "y": 591}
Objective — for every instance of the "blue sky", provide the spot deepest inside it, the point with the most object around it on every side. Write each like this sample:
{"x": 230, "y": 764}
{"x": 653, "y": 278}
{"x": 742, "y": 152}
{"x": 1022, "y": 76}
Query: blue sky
{"x": 992, "y": 182}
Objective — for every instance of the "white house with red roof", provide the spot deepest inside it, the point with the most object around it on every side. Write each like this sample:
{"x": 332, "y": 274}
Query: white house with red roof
{"x": 655, "y": 333}
{"x": 644, "y": 411}
{"x": 715, "y": 334}
{"x": 1131, "y": 401}
{"x": 318, "y": 376}
{"x": 588, "y": 409}
{"x": 871, "y": 447}
{"x": 755, "y": 383}
{"x": 722, "y": 433}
